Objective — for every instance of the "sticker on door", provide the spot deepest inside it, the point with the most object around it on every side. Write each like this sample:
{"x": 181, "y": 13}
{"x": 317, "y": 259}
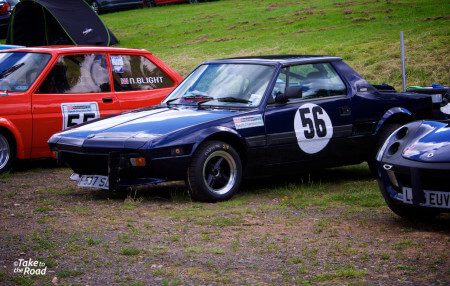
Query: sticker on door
{"x": 313, "y": 128}
{"x": 75, "y": 113}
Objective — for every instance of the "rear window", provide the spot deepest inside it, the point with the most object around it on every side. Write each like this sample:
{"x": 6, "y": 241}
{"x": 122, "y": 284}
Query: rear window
{"x": 19, "y": 70}
{"x": 137, "y": 73}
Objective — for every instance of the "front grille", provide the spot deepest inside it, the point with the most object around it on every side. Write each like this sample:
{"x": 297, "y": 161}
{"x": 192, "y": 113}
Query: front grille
{"x": 431, "y": 180}
{"x": 86, "y": 164}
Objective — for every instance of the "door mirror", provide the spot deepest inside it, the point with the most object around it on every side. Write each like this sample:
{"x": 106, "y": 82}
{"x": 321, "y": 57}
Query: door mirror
{"x": 291, "y": 92}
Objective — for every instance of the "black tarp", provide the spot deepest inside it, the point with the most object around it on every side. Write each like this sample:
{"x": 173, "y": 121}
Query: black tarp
{"x": 56, "y": 22}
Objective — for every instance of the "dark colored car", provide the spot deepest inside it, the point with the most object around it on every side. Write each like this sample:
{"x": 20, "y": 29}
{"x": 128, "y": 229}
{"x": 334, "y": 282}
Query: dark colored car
{"x": 100, "y": 6}
{"x": 242, "y": 117}
{"x": 6, "y": 6}
{"x": 414, "y": 169}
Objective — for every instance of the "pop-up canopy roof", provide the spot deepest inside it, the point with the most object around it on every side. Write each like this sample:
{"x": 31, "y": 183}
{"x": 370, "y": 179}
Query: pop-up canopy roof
{"x": 56, "y": 22}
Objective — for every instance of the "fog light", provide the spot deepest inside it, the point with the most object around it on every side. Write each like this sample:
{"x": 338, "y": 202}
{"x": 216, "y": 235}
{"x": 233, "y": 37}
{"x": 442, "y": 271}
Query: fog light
{"x": 138, "y": 162}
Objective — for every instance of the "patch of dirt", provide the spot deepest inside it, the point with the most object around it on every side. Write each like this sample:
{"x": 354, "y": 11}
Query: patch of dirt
{"x": 446, "y": 17}
{"x": 159, "y": 237}
{"x": 344, "y": 3}
{"x": 363, "y": 19}
{"x": 199, "y": 39}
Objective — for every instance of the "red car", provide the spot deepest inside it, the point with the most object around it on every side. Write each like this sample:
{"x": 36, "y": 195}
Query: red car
{"x": 46, "y": 89}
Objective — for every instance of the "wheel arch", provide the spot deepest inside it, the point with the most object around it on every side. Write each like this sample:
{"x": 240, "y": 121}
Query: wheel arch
{"x": 398, "y": 115}
{"x": 10, "y": 130}
{"x": 228, "y": 136}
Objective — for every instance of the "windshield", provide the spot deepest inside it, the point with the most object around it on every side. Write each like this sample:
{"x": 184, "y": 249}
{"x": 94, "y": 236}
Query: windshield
{"x": 19, "y": 70}
{"x": 240, "y": 85}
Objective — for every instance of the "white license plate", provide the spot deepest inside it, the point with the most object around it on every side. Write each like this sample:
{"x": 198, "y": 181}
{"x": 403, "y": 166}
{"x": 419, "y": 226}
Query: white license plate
{"x": 94, "y": 181}
{"x": 433, "y": 199}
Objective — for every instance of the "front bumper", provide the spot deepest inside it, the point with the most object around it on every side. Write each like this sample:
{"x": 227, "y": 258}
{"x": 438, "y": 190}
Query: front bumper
{"x": 416, "y": 178}
{"x": 121, "y": 173}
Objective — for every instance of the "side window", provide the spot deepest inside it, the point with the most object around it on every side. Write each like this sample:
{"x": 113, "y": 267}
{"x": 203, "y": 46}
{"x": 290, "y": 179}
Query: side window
{"x": 137, "y": 73}
{"x": 280, "y": 84}
{"x": 78, "y": 74}
{"x": 316, "y": 80}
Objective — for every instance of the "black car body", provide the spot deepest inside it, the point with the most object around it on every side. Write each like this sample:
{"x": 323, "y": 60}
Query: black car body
{"x": 414, "y": 169}
{"x": 243, "y": 116}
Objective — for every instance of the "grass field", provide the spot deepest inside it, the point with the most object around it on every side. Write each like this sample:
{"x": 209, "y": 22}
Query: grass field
{"x": 365, "y": 33}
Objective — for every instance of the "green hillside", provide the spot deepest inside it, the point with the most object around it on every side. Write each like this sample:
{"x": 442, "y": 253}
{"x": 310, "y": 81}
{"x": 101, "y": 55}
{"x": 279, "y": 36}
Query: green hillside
{"x": 365, "y": 33}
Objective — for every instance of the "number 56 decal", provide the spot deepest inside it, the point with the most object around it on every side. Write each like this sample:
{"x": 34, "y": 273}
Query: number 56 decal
{"x": 313, "y": 128}
{"x": 75, "y": 113}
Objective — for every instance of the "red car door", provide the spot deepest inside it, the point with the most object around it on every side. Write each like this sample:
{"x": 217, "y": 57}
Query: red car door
{"x": 141, "y": 80}
{"x": 76, "y": 89}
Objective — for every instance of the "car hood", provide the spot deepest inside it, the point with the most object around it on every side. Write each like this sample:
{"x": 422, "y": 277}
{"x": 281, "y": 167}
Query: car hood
{"x": 430, "y": 144}
{"x": 140, "y": 125}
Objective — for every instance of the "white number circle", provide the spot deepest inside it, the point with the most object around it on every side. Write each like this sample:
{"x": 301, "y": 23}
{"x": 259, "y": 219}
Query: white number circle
{"x": 313, "y": 128}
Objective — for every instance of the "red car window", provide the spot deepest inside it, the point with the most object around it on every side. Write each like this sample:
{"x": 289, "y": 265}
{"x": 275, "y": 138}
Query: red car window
{"x": 137, "y": 73}
{"x": 19, "y": 70}
{"x": 78, "y": 74}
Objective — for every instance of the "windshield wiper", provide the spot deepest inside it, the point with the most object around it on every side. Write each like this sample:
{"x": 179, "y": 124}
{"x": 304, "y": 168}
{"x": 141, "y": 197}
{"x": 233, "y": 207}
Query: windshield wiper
{"x": 10, "y": 70}
{"x": 170, "y": 100}
{"x": 233, "y": 99}
{"x": 197, "y": 98}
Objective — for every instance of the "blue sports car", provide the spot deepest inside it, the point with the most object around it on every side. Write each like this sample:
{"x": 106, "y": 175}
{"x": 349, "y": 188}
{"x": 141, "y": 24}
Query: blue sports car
{"x": 241, "y": 117}
{"x": 414, "y": 169}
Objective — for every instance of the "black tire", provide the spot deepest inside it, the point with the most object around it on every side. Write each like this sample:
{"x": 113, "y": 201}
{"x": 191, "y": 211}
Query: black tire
{"x": 384, "y": 133}
{"x": 215, "y": 172}
{"x": 7, "y": 152}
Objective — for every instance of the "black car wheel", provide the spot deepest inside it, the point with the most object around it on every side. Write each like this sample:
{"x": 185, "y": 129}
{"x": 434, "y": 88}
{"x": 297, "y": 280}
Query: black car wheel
{"x": 95, "y": 7}
{"x": 7, "y": 153}
{"x": 215, "y": 172}
{"x": 385, "y": 132}
{"x": 149, "y": 3}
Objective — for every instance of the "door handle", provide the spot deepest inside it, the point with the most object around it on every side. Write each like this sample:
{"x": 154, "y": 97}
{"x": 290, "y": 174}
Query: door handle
{"x": 345, "y": 110}
{"x": 107, "y": 99}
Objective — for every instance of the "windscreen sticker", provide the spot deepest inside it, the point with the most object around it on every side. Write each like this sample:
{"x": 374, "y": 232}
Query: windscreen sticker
{"x": 141, "y": 80}
{"x": 21, "y": 87}
{"x": 248, "y": 121}
{"x": 75, "y": 113}
{"x": 313, "y": 128}
{"x": 116, "y": 60}
{"x": 118, "y": 69}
